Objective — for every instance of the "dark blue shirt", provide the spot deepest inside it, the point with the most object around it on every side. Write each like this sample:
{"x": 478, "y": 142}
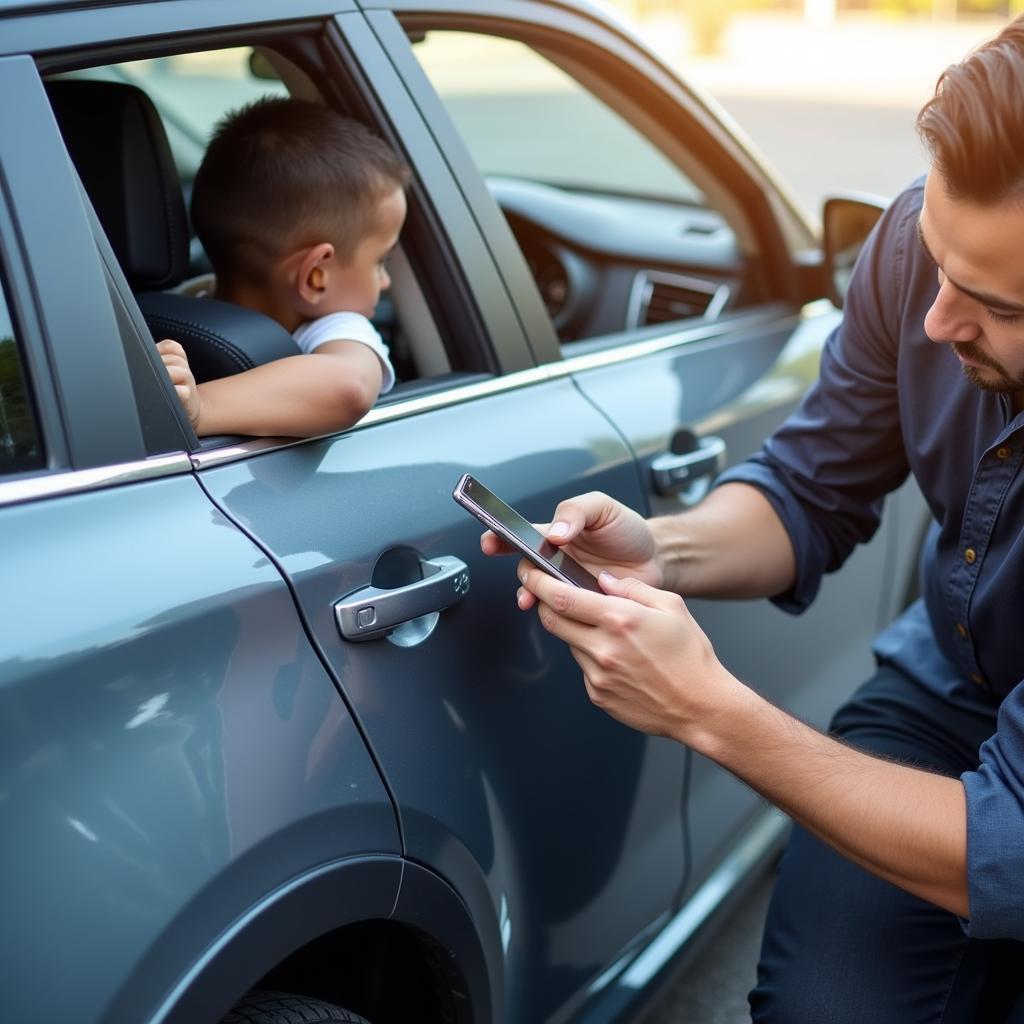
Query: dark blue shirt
{"x": 890, "y": 401}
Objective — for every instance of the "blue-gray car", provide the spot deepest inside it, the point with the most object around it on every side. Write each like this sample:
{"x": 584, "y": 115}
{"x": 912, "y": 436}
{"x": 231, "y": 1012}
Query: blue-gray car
{"x": 275, "y": 742}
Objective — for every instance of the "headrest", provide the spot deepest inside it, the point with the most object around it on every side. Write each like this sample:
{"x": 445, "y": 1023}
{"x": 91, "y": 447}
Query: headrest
{"x": 219, "y": 338}
{"x": 117, "y": 141}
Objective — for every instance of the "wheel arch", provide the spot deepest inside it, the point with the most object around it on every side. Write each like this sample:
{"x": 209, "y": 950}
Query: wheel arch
{"x": 295, "y": 935}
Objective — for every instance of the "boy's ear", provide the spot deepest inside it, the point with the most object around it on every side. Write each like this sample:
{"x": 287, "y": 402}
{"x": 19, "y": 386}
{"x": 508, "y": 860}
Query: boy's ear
{"x": 311, "y": 272}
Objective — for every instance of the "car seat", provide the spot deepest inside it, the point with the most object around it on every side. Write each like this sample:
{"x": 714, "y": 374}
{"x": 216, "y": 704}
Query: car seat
{"x": 116, "y": 140}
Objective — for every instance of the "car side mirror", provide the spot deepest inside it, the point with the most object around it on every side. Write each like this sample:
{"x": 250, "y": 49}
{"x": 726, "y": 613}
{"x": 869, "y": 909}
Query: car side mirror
{"x": 848, "y": 218}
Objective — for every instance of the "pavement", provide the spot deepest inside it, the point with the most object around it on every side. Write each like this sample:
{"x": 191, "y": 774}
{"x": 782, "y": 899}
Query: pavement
{"x": 714, "y": 988}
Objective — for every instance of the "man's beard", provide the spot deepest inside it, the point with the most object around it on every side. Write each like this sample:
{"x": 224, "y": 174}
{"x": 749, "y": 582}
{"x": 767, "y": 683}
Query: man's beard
{"x": 969, "y": 350}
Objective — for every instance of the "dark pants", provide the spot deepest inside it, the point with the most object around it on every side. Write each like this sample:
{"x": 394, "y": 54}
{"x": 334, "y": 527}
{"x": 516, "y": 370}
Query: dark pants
{"x": 843, "y": 947}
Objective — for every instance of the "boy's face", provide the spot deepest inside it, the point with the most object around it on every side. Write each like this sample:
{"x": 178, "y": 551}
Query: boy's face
{"x": 355, "y": 285}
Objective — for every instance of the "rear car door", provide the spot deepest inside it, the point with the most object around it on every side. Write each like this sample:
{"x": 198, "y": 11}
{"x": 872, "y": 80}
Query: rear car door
{"x": 655, "y": 261}
{"x": 172, "y": 750}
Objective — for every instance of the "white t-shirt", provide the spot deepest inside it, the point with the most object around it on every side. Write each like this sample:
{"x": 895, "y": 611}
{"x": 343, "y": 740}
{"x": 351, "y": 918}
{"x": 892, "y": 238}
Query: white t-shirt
{"x": 347, "y": 327}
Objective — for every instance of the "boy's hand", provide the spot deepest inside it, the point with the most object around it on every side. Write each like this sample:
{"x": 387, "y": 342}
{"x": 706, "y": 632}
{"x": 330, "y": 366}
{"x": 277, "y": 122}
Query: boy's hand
{"x": 176, "y": 364}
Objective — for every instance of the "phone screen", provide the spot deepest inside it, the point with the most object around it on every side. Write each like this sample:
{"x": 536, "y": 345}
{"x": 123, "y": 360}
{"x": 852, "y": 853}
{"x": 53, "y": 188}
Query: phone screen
{"x": 510, "y": 525}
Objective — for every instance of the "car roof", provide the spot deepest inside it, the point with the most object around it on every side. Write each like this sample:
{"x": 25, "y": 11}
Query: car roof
{"x": 601, "y": 9}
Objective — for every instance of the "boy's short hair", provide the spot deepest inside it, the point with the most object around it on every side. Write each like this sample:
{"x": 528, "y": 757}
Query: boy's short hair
{"x": 280, "y": 174}
{"x": 972, "y": 127}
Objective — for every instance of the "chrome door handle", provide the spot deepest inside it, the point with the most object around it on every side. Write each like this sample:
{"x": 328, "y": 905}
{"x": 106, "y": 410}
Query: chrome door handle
{"x": 673, "y": 473}
{"x": 371, "y": 613}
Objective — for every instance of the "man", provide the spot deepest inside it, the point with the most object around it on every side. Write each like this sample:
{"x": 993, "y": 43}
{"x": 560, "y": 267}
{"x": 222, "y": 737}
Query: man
{"x": 901, "y": 897}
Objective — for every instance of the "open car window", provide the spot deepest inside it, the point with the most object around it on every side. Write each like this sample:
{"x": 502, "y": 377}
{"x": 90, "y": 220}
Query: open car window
{"x": 191, "y": 93}
{"x": 616, "y": 236}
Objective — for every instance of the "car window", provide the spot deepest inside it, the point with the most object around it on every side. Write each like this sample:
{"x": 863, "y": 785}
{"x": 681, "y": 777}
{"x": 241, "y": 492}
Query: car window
{"x": 19, "y": 440}
{"x": 191, "y": 93}
{"x": 615, "y": 234}
{"x": 523, "y": 117}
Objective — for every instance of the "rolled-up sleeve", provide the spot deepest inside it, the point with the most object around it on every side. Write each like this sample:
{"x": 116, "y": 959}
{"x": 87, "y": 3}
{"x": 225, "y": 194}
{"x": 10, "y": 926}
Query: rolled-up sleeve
{"x": 826, "y": 470}
{"x": 995, "y": 829}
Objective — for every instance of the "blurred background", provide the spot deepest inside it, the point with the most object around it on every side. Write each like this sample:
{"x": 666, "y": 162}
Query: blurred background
{"x": 827, "y": 89}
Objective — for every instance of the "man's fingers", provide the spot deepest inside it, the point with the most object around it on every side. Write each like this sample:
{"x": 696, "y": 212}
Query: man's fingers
{"x": 578, "y": 635}
{"x": 563, "y": 598}
{"x": 574, "y": 515}
{"x": 641, "y": 593}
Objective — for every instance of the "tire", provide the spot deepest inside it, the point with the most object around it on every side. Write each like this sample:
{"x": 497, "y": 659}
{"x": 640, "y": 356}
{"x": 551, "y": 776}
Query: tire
{"x": 263, "y": 1007}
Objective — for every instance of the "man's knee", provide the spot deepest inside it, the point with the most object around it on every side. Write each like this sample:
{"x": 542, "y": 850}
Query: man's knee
{"x": 841, "y": 945}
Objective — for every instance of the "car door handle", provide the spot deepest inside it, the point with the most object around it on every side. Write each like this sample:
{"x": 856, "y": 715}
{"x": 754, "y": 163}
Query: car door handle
{"x": 371, "y": 613}
{"x": 672, "y": 473}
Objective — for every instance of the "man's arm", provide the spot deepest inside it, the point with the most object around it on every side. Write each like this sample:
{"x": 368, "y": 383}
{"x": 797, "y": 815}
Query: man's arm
{"x": 646, "y": 662}
{"x": 903, "y": 824}
{"x": 733, "y": 545}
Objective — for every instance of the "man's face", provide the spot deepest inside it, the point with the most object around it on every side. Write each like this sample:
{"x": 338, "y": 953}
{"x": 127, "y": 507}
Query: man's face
{"x": 355, "y": 285}
{"x": 978, "y": 252}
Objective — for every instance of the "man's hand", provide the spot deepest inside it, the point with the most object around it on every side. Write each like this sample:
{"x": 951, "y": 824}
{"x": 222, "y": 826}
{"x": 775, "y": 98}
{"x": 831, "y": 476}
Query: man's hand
{"x": 645, "y": 660}
{"x": 598, "y": 532}
{"x": 176, "y": 365}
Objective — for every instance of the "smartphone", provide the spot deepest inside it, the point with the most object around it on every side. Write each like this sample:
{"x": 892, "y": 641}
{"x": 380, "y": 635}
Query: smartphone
{"x": 508, "y": 524}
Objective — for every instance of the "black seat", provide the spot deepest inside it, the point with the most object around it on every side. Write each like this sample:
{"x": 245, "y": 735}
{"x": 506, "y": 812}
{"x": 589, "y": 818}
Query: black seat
{"x": 117, "y": 142}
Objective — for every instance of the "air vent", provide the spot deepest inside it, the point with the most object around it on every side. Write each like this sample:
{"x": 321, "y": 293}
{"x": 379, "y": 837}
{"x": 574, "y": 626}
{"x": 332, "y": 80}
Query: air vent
{"x": 661, "y": 298}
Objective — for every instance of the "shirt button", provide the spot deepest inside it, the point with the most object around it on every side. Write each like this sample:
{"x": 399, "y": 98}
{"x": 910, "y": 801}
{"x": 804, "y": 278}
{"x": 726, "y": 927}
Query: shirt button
{"x": 977, "y": 679}
{"x": 961, "y": 629}
{"x": 1003, "y": 452}
{"x": 970, "y": 555}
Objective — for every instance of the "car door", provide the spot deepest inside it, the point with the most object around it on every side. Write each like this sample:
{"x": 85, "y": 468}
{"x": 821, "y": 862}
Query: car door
{"x": 686, "y": 323}
{"x": 558, "y": 827}
{"x": 172, "y": 750}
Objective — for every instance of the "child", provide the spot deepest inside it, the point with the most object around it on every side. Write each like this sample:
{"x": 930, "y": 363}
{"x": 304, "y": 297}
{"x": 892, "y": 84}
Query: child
{"x": 297, "y": 208}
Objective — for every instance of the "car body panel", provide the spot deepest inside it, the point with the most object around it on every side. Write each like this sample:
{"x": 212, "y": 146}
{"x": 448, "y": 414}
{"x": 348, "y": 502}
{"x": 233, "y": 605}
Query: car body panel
{"x": 41, "y": 32}
{"x": 153, "y": 691}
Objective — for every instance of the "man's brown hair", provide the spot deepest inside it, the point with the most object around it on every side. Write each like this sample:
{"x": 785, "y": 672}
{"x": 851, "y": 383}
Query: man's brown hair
{"x": 280, "y": 174}
{"x": 973, "y": 127}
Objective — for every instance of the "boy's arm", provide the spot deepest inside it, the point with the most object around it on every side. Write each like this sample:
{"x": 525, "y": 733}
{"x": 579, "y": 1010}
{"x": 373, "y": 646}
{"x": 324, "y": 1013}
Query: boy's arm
{"x": 298, "y": 396}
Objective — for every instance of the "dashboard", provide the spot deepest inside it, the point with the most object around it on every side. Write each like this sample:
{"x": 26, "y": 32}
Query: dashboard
{"x": 607, "y": 263}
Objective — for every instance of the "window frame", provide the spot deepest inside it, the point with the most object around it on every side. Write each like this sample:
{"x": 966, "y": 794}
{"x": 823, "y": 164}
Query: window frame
{"x": 60, "y": 302}
{"x": 8, "y": 297}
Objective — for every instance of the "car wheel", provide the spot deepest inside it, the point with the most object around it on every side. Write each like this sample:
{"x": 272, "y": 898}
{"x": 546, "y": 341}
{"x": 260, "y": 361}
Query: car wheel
{"x": 263, "y": 1007}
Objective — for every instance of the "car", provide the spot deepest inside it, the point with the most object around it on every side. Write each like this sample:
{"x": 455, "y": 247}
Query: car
{"x": 289, "y": 748}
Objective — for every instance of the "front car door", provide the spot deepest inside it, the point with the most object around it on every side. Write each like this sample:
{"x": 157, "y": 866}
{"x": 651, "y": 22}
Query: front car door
{"x": 655, "y": 261}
